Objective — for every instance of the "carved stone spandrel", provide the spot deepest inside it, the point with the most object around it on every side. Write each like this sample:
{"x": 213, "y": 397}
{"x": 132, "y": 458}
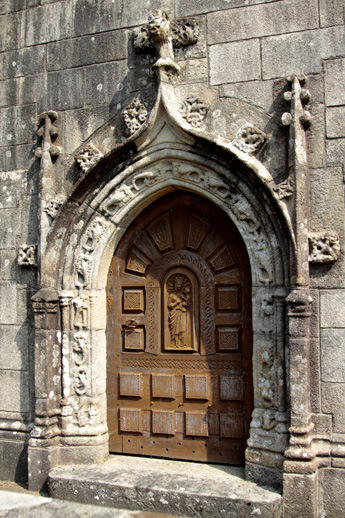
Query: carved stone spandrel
{"x": 27, "y": 256}
{"x": 324, "y": 247}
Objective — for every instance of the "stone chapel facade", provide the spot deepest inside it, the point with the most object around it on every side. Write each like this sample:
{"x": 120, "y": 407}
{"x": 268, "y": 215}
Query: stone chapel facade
{"x": 172, "y": 236}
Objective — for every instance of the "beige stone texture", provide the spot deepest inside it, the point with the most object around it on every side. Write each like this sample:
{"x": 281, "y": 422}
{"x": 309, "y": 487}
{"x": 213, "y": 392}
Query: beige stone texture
{"x": 332, "y": 306}
{"x": 242, "y": 58}
{"x": 335, "y": 122}
{"x": 333, "y": 396}
{"x": 333, "y": 490}
{"x": 334, "y": 81}
{"x": 332, "y": 347}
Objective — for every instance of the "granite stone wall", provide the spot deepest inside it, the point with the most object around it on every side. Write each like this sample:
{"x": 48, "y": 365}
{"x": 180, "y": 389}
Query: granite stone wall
{"x": 77, "y": 57}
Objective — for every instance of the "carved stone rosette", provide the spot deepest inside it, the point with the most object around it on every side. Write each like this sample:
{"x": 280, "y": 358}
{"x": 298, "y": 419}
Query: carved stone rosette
{"x": 27, "y": 256}
{"x": 194, "y": 111}
{"x": 88, "y": 157}
{"x": 134, "y": 115}
{"x": 249, "y": 139}
{"x": 324, "y": 247}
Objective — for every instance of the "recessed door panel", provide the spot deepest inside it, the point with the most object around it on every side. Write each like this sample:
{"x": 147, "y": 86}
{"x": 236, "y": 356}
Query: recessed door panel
{"x": 179, "y": 375}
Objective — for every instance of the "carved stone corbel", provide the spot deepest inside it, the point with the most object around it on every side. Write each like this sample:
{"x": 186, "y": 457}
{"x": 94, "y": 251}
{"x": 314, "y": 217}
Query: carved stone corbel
{"x": 324, "y": 247}
{"x": 27, "y": 256}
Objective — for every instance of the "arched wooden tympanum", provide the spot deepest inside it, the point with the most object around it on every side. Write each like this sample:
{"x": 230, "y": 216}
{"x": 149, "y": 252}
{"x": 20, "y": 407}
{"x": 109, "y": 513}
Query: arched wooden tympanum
{"x": 179, "y": 335}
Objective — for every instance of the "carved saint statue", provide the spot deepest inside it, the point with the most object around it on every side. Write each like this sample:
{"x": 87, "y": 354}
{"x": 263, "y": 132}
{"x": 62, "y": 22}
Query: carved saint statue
{"x": 179, "y": 288}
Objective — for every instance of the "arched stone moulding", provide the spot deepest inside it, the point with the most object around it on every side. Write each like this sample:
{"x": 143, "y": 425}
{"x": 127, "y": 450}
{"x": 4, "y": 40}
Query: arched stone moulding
{"x": 82, "y": 242}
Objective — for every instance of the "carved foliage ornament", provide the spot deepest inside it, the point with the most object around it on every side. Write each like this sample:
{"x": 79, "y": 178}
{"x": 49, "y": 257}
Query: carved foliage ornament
{"x": 194, "y": 110}
{"x": 324, "y": 247}
{"x": 134, "y": 115}
{"x": 88, "y": 157}
{"x": 249, "y": 139}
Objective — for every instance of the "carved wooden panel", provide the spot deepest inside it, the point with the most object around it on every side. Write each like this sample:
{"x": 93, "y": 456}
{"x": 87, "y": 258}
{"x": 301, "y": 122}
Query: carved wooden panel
{"x": 227, "y": 298}
{"x": 180, "y": 309}
{"x": 179, "y": 335}
{"x": 160, "y": 232}
{"x": 196, "y": 386}
{"x": 134, "y": 339}
{"x": 196, "y": 424}
{"x": 163, "y": 386}
{"x": 228, "y": 338}
{"x": 231, "y": 388}
{"x": 222, "y": 259}
{"x": 197, "y": 230}
{"x": 133, "y": 300}
{"x": 130, "y": 384}
{"x": 130, "y": 420}
{"x": 163, "y": 422}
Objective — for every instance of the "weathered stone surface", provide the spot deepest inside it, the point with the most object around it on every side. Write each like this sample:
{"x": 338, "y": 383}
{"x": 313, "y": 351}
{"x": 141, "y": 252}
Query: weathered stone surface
{"x": 14, "y": 158}
{"x": 98, "y": 16}
{"x": 334, "y": 81}
{"x": 205, "y": 6}
{"x": 242, "y": 58}
{"x": 79, "y": 124}
{"x": 300, "y": 492}
{"x": 87, "y": 50}
{"x": 14, "y": 347}
{"x": 10, "y": 34}
{"x": 14, "y": 391}
{"x": 333, "y": 484}
{"x": 48, "y": 23}
{"x": 156, "y": 485}
{"x": 332, "y": 305}
{"x": 106, "y": 83}
{"x": 8, "y": 303}
{"x": 9, "y": 228}
{"x": 259, "y": 93}
{"x": 335, "y": 122}
{"x": 332, "y": 346}
{"x": 13, "y": 462}
{"x": 17, "y": 124}
{"x": 335, "y": 151}
{"x": 261, "y": 20}
{"x": 9, "y": 93}
{"x": 290, "y": 53}
{"x": 316, "y": 136}
{"x": 23, "y": 62}
{"x": 331, "y": 12}
{"x": 50, "y": 91}
{"x": 10, "y": 6}
{"x": 333, "y": 395}
{"x": 14, "y": 186}
{"x": 326, "y": 200}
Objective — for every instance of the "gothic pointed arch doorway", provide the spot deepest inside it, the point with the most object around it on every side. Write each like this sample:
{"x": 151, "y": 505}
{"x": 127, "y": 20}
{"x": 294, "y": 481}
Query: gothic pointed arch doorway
{"x": 179, "y": 334}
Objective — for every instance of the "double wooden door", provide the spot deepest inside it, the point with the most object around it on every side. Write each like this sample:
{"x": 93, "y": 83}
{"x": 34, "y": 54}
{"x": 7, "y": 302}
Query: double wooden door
{"x": 179, "y": 375}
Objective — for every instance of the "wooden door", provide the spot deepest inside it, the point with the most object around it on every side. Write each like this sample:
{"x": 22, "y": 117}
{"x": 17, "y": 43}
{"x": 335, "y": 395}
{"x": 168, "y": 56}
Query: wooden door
{"x": 179, "y": 335}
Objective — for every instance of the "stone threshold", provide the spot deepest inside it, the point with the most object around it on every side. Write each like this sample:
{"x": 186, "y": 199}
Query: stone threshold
{"x": 166, "y": 486}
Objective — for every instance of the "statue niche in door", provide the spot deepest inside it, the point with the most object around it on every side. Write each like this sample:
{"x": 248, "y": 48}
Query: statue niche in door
{"x": 179, "y": 333}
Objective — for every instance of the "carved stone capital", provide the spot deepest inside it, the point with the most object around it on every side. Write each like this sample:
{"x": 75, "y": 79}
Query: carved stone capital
{"x": 299, "y": 302}
{"x": 324, "y": 247}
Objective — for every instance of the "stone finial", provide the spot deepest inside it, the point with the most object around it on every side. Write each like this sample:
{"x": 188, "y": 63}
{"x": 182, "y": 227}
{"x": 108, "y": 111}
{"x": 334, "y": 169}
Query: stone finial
{"x": 47, "y": 134}
{"x": 324, "y": 247}
{"x": 297, "y": 95}
{"x": 134, "y": 115}
{"x": 164, "y": 35}
{"x": 249, "y": 139}
{"x": 87, "y": 157}
{"x": 194, "y": 110}
{"x": 27, "y": 256}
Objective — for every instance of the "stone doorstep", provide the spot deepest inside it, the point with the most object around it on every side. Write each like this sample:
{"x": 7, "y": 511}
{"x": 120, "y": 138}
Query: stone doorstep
{"x": 165, "y": 486}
